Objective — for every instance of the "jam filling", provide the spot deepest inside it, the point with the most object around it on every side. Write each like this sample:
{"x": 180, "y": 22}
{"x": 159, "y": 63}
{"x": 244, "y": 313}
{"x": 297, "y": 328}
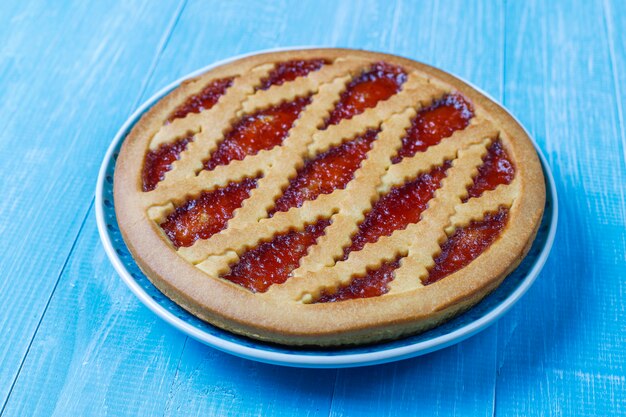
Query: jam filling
{"x": 204, "y": 100}
{"x": 159, "y": 161}
{"x": 397, "y": 209}
{"x": 272, "y": 262}
{"x": 466, "y": 244}
{"x": 382, "y": 81}
{"x": 434, "y": 123}
{"x": 496, "y": 169}
{"x": 328, "y": 171}
{"x": 373, "y": 284}
{"x": 254, "y": 132}
{"x": 290, "y": 70}
{"x": 207, "y": 214}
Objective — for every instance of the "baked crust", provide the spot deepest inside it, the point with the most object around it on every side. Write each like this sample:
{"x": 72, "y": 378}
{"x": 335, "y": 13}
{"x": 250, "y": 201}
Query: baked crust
{"x": 283, "y": 314}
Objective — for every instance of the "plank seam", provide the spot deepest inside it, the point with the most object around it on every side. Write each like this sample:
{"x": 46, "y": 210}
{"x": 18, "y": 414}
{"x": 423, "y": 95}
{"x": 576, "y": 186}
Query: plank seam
{"x": 161, "y": 47}
{"x": 169, "y": 394}
{"x": 332, "y": 395}
{"x": 616, "y": 86}
{"x": 43, "y": 314}
{"x": 167, "y": 35}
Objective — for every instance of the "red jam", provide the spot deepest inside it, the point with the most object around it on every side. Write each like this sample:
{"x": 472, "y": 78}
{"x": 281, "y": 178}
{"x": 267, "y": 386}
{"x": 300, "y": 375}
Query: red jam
{"x": 434, "y": 123}
{"x": 466, "y": 244}
{"x": 261, "y": 130}
{"x": 496, "y": 169}
{"x": 272, "y": 262}
{"x": 160, "y": 160}
{"x": 379, "y": 83}
{"x": 207, "y": 214}
{"x": 290, "y": 70}
{"x": 373, "y": 284}
{"x": 204, "y": 100}
{"x": 397, "y": 209}
{"x": 328, "y": 171}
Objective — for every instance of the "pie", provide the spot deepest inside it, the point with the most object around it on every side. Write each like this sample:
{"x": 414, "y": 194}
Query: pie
{"x": 327, "y": 196}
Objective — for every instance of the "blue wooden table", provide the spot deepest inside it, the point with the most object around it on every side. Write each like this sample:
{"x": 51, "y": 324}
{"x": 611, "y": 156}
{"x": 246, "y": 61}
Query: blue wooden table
{"x": 75, "y": 341}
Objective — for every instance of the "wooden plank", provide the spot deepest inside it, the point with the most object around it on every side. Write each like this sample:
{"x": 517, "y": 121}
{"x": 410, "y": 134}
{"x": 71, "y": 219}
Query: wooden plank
{"x": 87, "y": 371}
{"x": 562, "y": 349}
{"x": 98, "y": 350}
{"x": 614, "y": 12}
{"x": 70, "y": 75}
{"x": 465, "y": 39}
{"x": 455, "y": 381}
{"x": 209, "y": 382}
{"x": 226, "y": 29}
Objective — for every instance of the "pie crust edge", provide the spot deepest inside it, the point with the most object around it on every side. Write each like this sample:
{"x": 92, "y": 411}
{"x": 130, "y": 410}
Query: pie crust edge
{"x": 356, "y": 321}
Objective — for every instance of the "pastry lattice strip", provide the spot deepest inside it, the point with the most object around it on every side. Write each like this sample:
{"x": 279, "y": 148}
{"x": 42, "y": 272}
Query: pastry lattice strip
{"x": 346, "y": 208}
{"x": 415, "y": 91}
{"x": 418, "y": 254}
{"x": 328, "y": 204}
{"x": 413, "y": 267}
{"x": 209, "y": 126}
{"x": 376, "y": 176}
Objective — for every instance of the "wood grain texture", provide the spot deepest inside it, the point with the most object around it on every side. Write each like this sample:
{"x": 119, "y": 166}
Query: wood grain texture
{"x": 77, "y": 342}
{"x": 562, "y": 351}
{"x": 62, "y": 100}
{"x": 209, "y": 382}
{"x": 98, "y": 351}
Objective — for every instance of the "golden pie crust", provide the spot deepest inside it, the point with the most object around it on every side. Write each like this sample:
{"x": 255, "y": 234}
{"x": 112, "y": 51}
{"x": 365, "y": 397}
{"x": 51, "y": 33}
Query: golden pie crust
{"x": 285, "y": 314}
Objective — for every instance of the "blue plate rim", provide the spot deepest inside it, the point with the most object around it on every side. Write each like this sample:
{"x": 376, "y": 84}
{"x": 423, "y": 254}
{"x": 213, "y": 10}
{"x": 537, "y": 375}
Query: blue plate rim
{"x": 308, "y": 360}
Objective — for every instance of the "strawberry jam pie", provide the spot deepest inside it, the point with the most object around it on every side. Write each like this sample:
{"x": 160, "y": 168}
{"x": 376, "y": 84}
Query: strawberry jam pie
{"x": 327, "y": 197}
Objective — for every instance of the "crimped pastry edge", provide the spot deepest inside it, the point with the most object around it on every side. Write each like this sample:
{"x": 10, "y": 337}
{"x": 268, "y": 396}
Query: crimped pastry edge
{"x": 348, "y": 322}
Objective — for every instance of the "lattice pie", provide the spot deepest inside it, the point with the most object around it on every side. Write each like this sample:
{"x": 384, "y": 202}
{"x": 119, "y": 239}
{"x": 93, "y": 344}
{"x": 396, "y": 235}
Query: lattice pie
{"x": 327, "y": 197}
